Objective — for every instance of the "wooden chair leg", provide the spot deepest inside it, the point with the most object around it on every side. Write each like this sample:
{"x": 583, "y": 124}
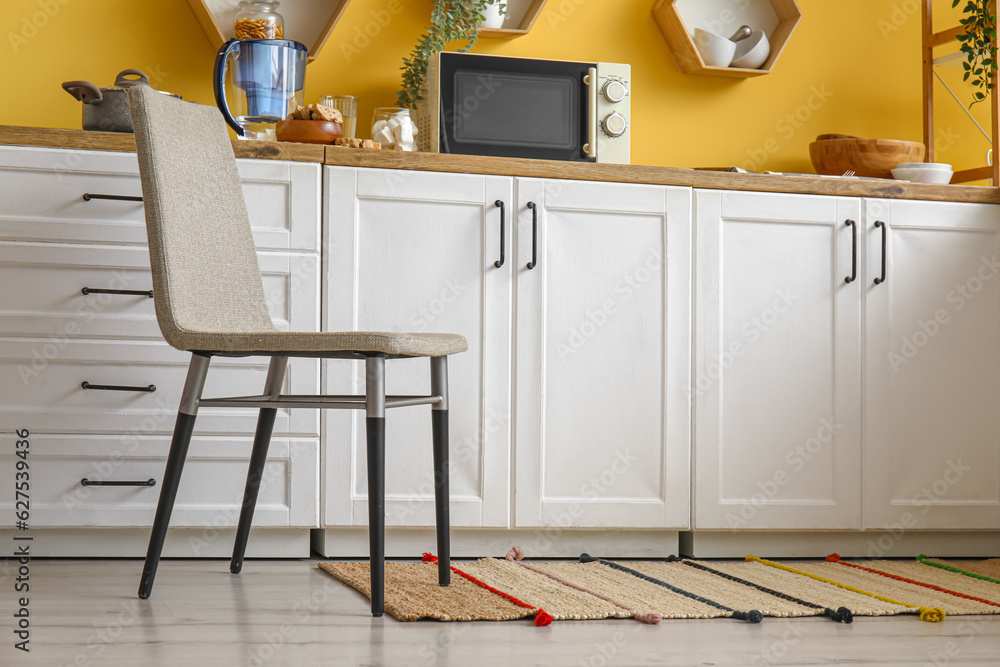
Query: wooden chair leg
{"x": 183, "y": 428}
{"x": 375, "y": 431}
{"x": 439, "y": 425}
{"x": 258, "y": 459}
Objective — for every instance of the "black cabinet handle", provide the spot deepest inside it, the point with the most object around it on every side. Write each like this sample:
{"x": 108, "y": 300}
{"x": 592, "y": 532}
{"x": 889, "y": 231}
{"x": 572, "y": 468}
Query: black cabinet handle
{"x": 534, "y": 235}
{"x": 87, "y": 196}
{"x": 111, "y": 387}
{"x": 503, "y": 232}
{"x": 854, "y": 252}
{"x": 885, "y": 236}
{"x": 87, "y": 482}
{"x": 129, "y": 292}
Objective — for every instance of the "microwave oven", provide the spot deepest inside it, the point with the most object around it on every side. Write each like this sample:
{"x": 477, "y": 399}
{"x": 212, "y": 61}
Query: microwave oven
{"x": 526, "y": 108}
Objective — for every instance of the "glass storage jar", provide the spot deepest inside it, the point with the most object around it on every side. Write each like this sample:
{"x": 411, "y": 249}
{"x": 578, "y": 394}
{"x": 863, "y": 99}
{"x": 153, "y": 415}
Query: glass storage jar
{"x": 259, "y": 19}
{"x": 394, "y": 128}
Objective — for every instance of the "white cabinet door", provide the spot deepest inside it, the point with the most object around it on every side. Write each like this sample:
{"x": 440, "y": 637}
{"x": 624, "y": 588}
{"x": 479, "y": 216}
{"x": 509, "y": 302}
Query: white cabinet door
{"x": 416, "y": 252}
{"x": 603, "y": 355}
{"x": 777, "y": 362}
{"x": 932, "y": 369}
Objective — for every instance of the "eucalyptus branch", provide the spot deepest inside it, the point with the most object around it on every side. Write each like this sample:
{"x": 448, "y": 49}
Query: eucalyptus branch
{"x": 451, "y": 21}
{"x": 978, "y": 43}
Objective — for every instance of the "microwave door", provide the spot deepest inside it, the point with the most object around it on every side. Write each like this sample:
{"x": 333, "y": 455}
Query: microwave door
{"x": 514, "y": 107}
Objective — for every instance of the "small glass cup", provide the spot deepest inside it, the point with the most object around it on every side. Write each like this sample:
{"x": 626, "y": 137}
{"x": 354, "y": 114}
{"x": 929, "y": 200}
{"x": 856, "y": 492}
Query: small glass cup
{"x": 348, "y": 107}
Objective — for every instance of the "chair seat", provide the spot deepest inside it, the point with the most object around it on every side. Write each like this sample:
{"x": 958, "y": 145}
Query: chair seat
{"x": 322, "y": 343}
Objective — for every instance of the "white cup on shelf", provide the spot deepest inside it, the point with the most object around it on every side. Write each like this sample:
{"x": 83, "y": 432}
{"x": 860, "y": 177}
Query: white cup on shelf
{"x": 715, "y": 50}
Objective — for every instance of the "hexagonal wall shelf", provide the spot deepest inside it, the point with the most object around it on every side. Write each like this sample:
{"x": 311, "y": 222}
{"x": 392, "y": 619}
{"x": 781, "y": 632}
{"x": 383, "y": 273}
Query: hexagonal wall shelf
{"x": 307, "y": 21}
{"x": 678, "y": 19}
{"x": 519, "y": 23}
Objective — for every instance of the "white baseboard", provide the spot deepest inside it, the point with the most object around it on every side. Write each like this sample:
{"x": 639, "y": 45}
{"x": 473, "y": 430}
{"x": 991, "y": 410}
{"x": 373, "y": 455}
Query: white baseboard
{"x": 868, "y": 544}
{"x": 469, "y": 543}
{"x": 472, "y": 543}
{"x": 181, "y": 542}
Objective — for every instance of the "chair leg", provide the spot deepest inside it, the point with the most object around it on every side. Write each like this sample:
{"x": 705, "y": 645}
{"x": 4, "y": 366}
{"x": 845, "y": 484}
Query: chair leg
{"x": 375, "y": 431}
{"x": 258, "y": 458}
{"x": 183, "y": 428}
{"x": 439, "y": 426}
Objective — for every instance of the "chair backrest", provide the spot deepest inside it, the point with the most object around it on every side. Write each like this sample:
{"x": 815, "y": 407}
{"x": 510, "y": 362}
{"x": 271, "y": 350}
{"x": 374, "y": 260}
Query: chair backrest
{"x": 206, "y": 278}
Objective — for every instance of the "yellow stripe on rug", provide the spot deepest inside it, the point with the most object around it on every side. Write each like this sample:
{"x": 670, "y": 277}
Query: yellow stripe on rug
{"x": 930, "y": 614}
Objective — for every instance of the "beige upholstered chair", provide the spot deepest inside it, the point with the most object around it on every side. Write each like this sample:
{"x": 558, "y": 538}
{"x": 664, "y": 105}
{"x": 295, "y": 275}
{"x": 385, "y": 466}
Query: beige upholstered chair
{"x": 210, "y": 301}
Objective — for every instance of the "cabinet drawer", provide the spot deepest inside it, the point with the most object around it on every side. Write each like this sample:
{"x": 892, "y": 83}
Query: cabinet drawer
{"x": 50, "y": 277}
{"x": 210, "y": 493}
{"x": 41, "y": 198}
{"x": 42, "y": 388}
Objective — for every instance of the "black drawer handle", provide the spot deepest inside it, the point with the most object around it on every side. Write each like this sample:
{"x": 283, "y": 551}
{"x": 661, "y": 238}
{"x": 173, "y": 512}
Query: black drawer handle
{"x": 854, "y": 252}
{"x": 534, "y": 235}
{"x": 87, "y": 482}
{"x": 885, "y": 235}
{"x": 87, "y": 196}
{"x": 111, "y": 387}
{"x": 503, "y": 224}
{"x": 128, "y": 292}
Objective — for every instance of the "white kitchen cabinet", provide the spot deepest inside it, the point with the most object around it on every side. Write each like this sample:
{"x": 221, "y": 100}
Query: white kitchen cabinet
{"x": 603, "y": 355}
{"x": 932, "y": 367}
{"x": 415, "y": 251}
{"x": 601, "y": 340}
{"x": 776, "y": 386}
{"x": 54, "y": 337}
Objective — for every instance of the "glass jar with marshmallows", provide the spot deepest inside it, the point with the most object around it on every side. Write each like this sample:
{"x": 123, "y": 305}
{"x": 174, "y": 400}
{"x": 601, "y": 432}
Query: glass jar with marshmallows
{"x": 394, "y": 129}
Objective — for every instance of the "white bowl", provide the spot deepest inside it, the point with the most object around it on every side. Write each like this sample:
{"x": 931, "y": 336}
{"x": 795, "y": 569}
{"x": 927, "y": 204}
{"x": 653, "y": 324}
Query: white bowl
{"x": 715, "y": 50}
{"x": 939, "y": 166}
{"x": 751, "y": 52}
{"x": 923, "y": 175}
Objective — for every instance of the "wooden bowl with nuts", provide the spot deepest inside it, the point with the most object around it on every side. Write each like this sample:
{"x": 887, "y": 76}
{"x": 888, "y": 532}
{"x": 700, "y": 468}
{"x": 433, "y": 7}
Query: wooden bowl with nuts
{"x": 312, "y": 124}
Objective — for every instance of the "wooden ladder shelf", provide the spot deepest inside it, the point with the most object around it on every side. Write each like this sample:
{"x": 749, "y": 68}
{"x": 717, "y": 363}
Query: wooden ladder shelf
{"x": 931, "y": 40}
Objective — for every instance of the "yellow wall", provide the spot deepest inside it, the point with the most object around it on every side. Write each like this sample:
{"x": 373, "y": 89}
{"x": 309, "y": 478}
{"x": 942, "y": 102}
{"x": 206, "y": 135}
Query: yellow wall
{"x": 853, "y": 67}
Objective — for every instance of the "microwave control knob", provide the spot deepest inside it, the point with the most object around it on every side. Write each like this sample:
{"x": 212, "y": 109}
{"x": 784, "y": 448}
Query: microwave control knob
{"x": 614, "y": 91}
{"x": 614, "y": 124}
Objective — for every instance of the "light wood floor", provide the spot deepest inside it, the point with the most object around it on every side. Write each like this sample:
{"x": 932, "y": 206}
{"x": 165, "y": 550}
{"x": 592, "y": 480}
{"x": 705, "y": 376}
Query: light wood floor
{"x": 277, "y": 613}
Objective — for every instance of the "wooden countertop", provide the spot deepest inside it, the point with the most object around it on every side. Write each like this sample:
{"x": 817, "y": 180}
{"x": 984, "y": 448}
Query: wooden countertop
{"x": 471, "y": 164}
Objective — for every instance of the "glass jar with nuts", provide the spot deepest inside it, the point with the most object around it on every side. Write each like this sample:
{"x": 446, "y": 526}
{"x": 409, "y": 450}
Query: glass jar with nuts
{"x": 259, "y": 19}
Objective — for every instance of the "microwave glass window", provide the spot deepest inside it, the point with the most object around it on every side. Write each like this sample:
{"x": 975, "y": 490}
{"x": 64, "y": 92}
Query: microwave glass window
{"x": 517, "y": 110}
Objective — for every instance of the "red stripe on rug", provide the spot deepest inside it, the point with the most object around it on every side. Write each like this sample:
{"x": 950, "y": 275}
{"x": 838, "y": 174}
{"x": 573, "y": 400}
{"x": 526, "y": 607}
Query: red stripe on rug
{"x": 542, "y": 617}
{"x": 835, "y": 558}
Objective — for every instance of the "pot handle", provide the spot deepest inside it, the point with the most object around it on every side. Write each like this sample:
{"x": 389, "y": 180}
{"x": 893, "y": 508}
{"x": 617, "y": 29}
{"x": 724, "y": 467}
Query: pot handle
{"x": 219, "y": 80}
{"x": 84, "y": 91}
{"x": 122, "y": 82}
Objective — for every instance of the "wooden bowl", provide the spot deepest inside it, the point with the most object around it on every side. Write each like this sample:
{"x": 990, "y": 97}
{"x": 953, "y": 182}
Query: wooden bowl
{"x": 309, "y": 131}
{"x": 866, "y": 157}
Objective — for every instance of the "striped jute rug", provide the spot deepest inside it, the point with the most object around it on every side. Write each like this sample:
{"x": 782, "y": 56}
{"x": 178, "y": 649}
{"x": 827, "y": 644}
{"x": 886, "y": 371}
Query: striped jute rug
{"x": 508, "y": 589}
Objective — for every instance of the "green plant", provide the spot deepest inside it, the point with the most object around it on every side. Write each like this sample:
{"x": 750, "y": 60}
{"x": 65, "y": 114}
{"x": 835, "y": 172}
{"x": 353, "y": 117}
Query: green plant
{"x": 451, "y": 21}
{"x": 977, "y": 45}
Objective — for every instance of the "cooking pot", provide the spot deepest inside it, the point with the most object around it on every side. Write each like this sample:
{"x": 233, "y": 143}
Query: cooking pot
{"x": 106, "y": 109}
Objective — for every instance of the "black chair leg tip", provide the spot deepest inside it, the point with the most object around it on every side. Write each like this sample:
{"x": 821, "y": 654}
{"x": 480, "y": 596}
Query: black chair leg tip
{"x": 236, "y": 568}
{"x": 377, "y": 615}
{"x": 143, "y": 596}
